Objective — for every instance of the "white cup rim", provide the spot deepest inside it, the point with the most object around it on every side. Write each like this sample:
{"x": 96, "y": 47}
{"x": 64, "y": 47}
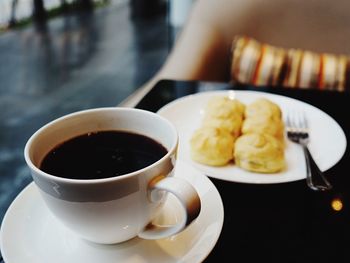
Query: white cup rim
{"x": 48, "y": 176}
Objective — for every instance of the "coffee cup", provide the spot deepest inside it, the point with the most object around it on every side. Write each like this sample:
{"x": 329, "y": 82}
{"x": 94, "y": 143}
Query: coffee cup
{"x": 105, "y": 173}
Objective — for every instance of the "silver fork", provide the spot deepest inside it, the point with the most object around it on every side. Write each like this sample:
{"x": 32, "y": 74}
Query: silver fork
{"x": 298, "y": 131}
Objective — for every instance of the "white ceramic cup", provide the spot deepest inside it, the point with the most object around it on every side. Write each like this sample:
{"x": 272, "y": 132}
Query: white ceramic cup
{"x": 113, "y": 210}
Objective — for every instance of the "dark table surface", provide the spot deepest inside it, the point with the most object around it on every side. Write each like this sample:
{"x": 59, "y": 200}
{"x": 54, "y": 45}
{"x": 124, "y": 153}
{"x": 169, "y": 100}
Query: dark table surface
{"x": 286, "y": 222}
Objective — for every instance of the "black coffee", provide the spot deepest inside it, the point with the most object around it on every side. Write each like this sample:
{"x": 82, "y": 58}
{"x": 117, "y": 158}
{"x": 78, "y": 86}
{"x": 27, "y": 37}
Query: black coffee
{"x": 102, "y": 154}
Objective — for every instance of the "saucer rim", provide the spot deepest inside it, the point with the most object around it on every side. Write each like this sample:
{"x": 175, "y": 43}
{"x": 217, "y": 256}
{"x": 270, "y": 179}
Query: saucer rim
{"x": 10, "y": 213}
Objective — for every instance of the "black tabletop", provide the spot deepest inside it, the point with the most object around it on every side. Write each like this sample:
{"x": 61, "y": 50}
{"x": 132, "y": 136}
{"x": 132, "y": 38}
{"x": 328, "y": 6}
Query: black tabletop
{"x": 286, "y": 222}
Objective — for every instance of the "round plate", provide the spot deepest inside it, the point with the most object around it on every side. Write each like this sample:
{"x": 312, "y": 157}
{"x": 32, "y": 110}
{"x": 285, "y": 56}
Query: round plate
{"x": 31, "y": 234}
{"x": 327, "y": 139}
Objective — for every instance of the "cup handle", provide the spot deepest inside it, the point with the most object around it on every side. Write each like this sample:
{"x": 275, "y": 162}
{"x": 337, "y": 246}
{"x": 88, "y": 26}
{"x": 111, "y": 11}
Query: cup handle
{"x": 189, "y": 200}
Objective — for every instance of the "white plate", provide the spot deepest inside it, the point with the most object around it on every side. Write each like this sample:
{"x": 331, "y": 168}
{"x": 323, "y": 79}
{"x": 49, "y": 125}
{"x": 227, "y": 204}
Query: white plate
{"x": 327, "y": 144}
{"x": 31, "y": 234}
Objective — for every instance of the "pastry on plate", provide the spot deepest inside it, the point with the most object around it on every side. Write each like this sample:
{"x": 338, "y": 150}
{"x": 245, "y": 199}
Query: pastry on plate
{"x": 263, "y": 107}
{"x": 264, "y": 124}
{"x": 260, "y": 153}
{"x": 263, "y": 116}
{"x": 224, "y": 113}
{"x": 223, "y": 107}
{"x": 212, "y": 146}
{"x": 232, "y": 124}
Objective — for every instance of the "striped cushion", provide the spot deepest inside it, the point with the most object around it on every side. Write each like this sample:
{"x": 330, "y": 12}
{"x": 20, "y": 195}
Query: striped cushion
{"x": 261, "y": 64}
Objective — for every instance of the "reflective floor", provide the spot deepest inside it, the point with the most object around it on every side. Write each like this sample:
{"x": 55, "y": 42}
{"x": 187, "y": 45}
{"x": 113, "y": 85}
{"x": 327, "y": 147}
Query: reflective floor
{"x": 72, "y": 63}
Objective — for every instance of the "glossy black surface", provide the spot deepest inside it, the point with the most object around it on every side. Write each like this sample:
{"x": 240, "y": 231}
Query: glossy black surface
{"x": 284, "y": 222}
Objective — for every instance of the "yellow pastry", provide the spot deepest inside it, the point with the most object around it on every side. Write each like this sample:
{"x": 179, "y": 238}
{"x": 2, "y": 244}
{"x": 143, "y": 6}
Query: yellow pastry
{"x": 263, "y": 107}
{"x": 264, "y": 124}
{"x": 264, "y": 116}
{"x": 223, "y": 107}
{"x": 212, "y": 146}
{"x": 224, "y": 113}
{"x": 232, "y": 124}
{"x": 260, "y": 153}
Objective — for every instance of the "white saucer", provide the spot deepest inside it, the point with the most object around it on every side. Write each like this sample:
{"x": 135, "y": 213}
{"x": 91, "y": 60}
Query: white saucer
{"x": 30, "y": 233}
{"x": 327, "y": 139}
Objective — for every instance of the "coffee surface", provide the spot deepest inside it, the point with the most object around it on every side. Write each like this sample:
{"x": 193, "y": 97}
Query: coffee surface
{"x": 102, "y": 154}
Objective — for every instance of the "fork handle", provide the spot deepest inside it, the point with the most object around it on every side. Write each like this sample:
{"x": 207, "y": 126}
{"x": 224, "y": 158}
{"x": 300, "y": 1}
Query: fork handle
{"x": 315, "y": 179}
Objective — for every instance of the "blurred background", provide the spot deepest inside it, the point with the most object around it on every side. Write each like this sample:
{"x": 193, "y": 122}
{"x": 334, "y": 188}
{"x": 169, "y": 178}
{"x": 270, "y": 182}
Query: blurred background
{"x": 61, "y": 56}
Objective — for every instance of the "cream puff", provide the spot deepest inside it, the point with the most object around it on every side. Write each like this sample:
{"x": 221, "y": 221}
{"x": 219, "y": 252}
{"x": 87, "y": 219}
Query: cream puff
{"x": 260, "y": 153}
{"x": 263, "y": 107}
{"x": 264, "y": 124}
{"x": 223, "y": 107}
{"x": 224, "y": 113}
{"x": 212, "y": 146}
